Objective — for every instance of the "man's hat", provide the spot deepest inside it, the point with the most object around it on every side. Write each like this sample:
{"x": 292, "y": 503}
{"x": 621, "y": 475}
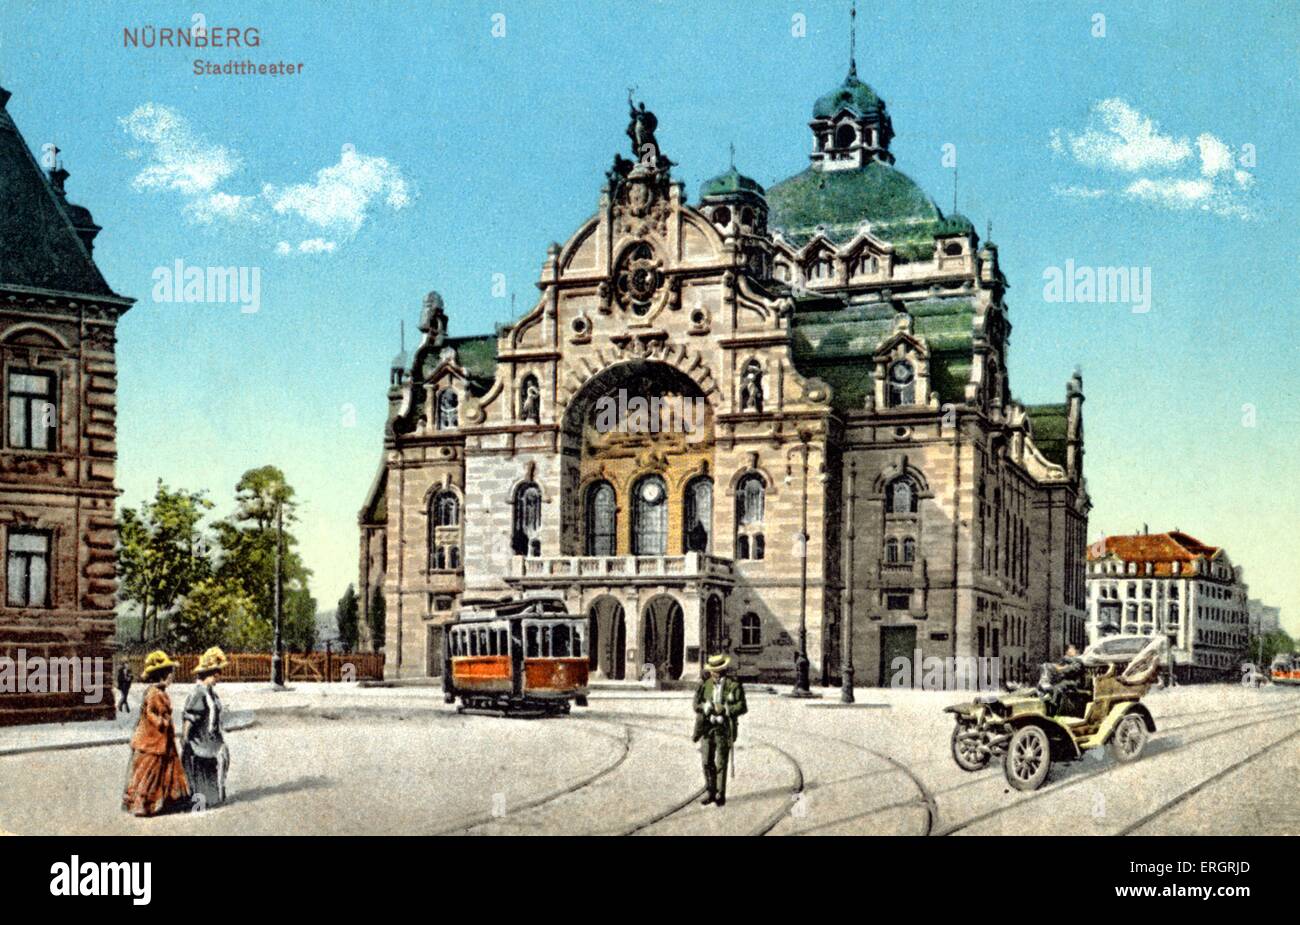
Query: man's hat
{"x": 718, "y": 663}
{"x": 154, "y": 663}
{"x": 211, "y": 661}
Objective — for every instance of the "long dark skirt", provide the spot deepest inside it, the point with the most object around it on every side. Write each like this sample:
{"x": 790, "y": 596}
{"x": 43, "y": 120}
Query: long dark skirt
{"x": 207, "y": 776}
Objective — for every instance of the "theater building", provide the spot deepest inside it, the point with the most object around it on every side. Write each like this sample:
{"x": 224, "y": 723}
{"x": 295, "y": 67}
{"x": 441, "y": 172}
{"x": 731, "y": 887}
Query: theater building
{"x": 831, "y": 456}
{"x": 58, "y": 319}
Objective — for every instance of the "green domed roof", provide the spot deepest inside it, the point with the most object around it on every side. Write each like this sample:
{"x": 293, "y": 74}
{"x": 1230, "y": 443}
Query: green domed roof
{"x": 853, "y": 95}
{"x": 840, "y": 201}
{"x": 733, "y": 181}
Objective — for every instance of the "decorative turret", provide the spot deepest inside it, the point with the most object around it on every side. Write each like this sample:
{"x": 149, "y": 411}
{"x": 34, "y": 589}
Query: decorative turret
{"x": 732, "y": 199}
{"x": 82, "y": 221}
{"x": 850, "y": 125}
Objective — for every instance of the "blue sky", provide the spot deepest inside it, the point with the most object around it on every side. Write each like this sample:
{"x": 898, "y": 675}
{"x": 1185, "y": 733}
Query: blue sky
{"x": 417, "y": 150}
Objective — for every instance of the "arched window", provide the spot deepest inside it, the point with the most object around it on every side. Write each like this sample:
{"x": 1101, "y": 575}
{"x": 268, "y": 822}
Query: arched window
{"x": 602, "y": 520}
{"x": 902, "y": 384}
{"x": 909, "y": 549}
{"x": 446, "y": 510}
{"x": 751, "y": 630}
{"x": 845, "y": 136}
{"x": 891, "y": 551}
{"x": 528, "y": 520}
{"x": 900, "y": 496}
{"x": 751, "y": 498}
{"x": 697, "y": 522}
{"x": 650, "y": 517}
{"x": 448, "y": 409}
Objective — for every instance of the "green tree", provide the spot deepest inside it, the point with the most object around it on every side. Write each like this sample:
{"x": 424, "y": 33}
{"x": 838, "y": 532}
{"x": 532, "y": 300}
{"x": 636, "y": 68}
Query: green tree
{"x": 299, "y": 627}
{"x": 1263, "y": 649}
{"x": 378, "y": 619}
{"x": 209, "y": 614}
{"x": 348, "y": 618}
{"x": 162, "y": 553}
{"x": 248, "y": 539}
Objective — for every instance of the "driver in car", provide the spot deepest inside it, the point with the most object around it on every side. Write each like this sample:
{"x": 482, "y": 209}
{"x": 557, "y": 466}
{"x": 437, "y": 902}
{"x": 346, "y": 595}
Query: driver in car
{"x": 1060, "y": 679}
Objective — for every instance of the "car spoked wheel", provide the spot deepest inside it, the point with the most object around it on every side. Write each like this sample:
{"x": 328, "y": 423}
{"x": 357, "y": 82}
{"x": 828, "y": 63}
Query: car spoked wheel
{"x": 966, "y": 749}
{"x": 1028, "y": 758}
{"x": 1129, "y": 738}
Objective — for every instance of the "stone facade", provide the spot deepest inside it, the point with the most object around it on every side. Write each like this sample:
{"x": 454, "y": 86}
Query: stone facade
{"x": 1172, "y": 584}
{"x": 57, "y": 461}
{"x": 858, "y": 481}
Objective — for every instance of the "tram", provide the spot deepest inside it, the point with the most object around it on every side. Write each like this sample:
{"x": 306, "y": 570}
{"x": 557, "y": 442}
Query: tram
{"x": 515, "y": 657}
{"x": 1285, "y": 668}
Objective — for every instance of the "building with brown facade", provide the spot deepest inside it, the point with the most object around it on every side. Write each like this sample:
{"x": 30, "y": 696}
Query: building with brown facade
{"x": 57, "y": 322}
{"x": 769, "y": 419}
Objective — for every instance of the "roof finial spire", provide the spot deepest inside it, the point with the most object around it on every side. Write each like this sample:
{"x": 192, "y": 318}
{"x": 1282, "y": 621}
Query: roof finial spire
{"x": 853, "y": 39}
{"x": 732, "y": 148}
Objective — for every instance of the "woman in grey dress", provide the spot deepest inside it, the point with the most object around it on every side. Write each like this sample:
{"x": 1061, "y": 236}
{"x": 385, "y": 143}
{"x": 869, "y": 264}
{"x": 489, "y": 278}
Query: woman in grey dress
{"x": 204, "y": 753}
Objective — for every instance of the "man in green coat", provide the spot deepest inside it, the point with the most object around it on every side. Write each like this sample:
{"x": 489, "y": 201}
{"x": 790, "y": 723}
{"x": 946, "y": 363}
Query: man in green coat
{"x": 719, "y": 704}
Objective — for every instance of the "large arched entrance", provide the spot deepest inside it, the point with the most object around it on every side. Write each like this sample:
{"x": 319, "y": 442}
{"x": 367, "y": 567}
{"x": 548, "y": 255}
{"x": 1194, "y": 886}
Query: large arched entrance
{"x": 607, "y": 635}
{"x": 638, "y": 448}
{"x": 663, "y": 631}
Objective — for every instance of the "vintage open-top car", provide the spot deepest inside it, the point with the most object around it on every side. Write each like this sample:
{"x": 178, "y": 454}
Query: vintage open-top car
{"x": 1022, "y": 729}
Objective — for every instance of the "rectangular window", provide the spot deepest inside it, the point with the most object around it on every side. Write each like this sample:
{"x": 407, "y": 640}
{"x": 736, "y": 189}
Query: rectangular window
{"x": 28, "y": 570}
{"x": 33, "y": 412}
{"x": 897, "y": 601}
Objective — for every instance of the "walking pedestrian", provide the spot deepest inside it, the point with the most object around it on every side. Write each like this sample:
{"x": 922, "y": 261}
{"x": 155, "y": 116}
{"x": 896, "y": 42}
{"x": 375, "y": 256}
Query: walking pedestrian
{"x": 203, "y": 752}
{"x": 719, "y": 704}
{"x": 156, "y": 781}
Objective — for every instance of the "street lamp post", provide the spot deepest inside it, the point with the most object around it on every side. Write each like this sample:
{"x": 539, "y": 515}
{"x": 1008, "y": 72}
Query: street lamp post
{"x": 801, "y": 679}
{"x": 277, "y": 652}
{"x": 846, "y": 614}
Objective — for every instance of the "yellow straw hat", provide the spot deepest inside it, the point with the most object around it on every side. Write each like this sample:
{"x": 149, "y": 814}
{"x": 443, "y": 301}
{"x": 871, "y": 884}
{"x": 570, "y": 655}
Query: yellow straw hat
{"x": 212, "y": 660}
{"x": 717, "y": 663}
{"x": 155, "y": 662}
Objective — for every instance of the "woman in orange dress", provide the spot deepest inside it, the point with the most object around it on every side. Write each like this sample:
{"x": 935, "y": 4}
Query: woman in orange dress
{"x": 157, "y": 779}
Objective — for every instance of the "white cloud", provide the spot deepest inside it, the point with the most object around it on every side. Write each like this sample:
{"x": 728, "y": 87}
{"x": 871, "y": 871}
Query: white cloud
{"x": 339, "y": 200}
{"x": 1196, "y": 193}
{"x": 175, "y": 158}
{"x": 341, "y": 197}
{"x": 1216, "y": 157}
{"x": 226, "y": 206}
{"x": 1119, "y": 137}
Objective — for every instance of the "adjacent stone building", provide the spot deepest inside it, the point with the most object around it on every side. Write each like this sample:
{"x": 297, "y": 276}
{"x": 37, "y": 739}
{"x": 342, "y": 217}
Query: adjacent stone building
{"x": 57, "y": 330}
{"x": 829, "y": 455}
{"x": 1172, "y": 584}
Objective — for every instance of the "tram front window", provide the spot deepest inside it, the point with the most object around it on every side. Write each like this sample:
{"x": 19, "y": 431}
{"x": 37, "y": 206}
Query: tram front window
{"x": 534, "y": 648}
{"x": 560, "y": 641}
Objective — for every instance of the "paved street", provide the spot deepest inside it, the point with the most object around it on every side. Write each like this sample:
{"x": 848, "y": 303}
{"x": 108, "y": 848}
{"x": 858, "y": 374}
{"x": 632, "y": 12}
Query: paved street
{"x": 339, "y": 759}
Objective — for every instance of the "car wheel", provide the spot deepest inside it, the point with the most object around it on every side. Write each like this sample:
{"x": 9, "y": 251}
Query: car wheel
{"x": 1128, "y": 739}
{"x": 1028, "y": 758}
{"x": 964, "y": 752}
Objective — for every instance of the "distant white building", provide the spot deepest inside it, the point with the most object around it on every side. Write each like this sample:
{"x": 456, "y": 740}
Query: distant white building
{"x": 1175, "y": 585}
{"x": 1263, "y": 618}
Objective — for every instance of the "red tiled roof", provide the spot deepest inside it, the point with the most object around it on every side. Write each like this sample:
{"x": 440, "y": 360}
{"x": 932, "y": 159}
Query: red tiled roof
{"x": 1174, "y": 546}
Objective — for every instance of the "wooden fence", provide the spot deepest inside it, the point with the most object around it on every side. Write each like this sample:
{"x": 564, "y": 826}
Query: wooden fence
{"x": 256, "y": 666}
